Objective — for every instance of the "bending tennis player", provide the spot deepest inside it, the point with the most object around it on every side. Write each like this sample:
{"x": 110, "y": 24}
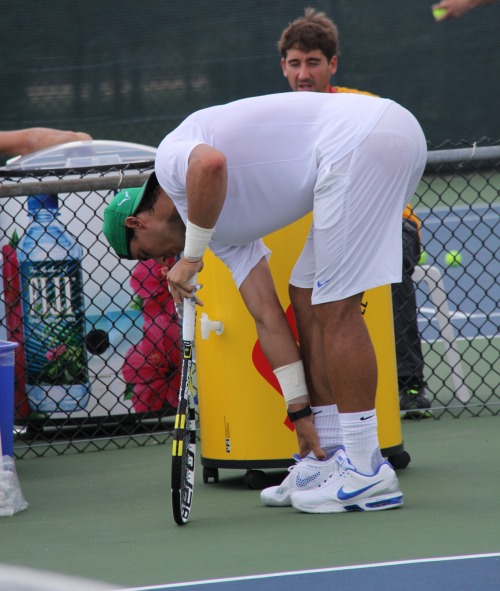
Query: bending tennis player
{"x": 231, "y": 174}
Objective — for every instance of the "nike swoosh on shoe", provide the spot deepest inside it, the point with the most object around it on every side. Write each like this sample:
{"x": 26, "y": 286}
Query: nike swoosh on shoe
{"x": 345, "y": 496}
{"x": 301, "y": 482}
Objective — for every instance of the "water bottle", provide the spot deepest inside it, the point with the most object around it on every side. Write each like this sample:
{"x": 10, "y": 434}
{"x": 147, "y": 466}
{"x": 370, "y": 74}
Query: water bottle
{"x": 57, "y": 378}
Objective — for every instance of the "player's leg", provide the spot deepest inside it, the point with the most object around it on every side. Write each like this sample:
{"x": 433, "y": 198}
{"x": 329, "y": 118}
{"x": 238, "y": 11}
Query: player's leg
{"x": 352, "y": 368}
{"x": 311, "y": 347}
{"x": 348, "y": 353}
{"x": 323, "y": 403}
{"x": 360, "y": 479}
{"x": 358, "y": 207}
{"x": 326, "y": 415}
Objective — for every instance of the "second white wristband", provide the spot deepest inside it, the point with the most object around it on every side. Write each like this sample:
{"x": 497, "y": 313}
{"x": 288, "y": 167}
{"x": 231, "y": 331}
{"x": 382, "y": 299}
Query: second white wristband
{"x": 293, "y": 383}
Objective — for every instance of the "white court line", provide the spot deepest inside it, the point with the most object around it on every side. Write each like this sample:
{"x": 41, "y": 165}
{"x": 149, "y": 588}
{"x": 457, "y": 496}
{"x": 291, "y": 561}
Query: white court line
{"x": 483, "y": 337}
{"x": 430, "y": 311}
{"x": 427, "y": 317}
{"x": 473, "y": 209}
{"x": 314, "y": 571}
{"x": 451, "y": 216}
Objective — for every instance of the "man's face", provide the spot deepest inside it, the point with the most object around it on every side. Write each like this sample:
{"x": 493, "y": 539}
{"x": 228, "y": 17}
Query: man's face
{"x": 157, "y": 237}
{"x": 149, "y": 243}
{"x": 310, "y": 71}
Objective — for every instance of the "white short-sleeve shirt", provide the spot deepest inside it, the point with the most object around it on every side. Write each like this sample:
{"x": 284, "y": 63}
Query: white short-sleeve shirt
{"x": 276, "y": 146}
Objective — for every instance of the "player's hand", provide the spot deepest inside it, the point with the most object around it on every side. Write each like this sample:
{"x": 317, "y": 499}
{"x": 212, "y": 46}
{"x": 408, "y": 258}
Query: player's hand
{"x": 453, "y": 8}
{"x": 180, "y": 280}
{"x": 308, "y": 438}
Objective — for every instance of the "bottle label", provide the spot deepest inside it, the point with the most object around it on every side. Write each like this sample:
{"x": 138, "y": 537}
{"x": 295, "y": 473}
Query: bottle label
{"x": 54, "y": 323}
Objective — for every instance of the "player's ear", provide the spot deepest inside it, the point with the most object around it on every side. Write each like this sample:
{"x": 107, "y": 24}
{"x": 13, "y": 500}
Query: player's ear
{"x": 283, "y": 67}
{"x": 333, "y": 65}
{"x": 132, "y": 222}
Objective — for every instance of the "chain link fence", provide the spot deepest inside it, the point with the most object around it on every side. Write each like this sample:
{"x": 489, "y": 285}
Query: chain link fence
{"x": 98, "y": 362}
{"x": 457, "y": 282}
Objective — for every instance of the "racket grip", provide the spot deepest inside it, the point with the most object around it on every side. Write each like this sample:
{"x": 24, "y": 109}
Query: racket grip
{"x": 189, "y": 316}
{"x": 188, "y": 320}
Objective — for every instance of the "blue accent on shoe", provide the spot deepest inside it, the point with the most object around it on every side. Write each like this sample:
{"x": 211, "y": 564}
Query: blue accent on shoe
{"x": 387, "y": 502}
{"x": 345, "y": 496}
{"x": 300, "y": 482}
{"x": 353, "y": 508}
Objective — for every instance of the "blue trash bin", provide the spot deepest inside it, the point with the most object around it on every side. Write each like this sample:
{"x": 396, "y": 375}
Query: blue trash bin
{"x": 7, "y": 360}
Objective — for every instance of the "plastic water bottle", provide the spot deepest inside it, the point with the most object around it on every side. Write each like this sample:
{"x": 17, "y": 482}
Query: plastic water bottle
{"x": 53, "y": 312}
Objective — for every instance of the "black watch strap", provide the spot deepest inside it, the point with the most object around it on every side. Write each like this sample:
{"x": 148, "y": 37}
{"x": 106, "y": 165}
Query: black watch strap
{"x": 300, "y": 414}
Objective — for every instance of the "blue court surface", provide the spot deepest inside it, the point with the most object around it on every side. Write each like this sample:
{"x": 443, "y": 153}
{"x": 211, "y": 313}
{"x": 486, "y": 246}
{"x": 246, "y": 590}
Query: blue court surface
{"x": 479, "y": 572}
{"x": 472, "y": 288}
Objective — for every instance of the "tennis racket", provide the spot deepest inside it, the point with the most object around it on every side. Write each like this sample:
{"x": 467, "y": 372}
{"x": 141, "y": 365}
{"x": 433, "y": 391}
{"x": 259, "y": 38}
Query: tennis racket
{"x": 184, "y": 444}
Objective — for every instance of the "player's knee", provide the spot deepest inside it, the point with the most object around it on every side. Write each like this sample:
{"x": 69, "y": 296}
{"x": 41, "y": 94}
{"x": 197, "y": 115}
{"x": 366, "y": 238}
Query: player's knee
{"x": 332, "y": 314}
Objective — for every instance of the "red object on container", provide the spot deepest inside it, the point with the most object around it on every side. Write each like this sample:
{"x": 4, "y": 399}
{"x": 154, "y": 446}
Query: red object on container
{"x": 14, "y": 324}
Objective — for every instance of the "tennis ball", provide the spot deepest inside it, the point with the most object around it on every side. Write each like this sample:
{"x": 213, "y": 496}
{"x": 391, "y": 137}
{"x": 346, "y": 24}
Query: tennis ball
{"x": 453, "y": 258}
{"x": 423, "y": 258}
{"x": 439, "y": 13}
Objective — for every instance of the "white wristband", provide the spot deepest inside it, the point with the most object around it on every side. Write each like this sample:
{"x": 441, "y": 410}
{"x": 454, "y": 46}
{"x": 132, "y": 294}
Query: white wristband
{"x": 197, "y": 240}
{"x": 293, "y": 383}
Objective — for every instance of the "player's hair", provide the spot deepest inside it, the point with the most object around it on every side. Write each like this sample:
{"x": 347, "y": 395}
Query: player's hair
{"x": 147, "y": 204}
{"x": 312, "y": 31}
{"x": 149, "y": 200}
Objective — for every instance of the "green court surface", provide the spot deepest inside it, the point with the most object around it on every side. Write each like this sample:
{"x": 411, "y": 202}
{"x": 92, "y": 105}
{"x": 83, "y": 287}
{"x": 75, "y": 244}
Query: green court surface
{"x": 106, "y": 516}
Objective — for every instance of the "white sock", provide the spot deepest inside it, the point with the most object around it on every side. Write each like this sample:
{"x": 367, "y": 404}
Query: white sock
{"x": 361, "y": 440}
{"x": 327, "y": 423}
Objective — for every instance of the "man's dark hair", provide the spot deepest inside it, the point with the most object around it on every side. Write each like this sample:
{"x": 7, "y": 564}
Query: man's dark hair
{"x": 312, "y": 31}
{"x": 147, "y": 203}
{"x": 149, "y": 199}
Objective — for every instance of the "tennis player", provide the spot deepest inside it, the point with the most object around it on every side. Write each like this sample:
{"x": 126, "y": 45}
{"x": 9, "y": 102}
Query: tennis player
{"x": 231, "y": 174}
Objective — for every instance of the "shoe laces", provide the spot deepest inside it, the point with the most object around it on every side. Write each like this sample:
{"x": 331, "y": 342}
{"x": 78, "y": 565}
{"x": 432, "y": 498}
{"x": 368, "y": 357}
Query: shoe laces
{"x": 298, "y": 460}
{"x": 341, "y": 466}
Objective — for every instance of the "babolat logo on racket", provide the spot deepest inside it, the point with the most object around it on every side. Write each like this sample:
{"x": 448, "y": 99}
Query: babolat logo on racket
{"x": 188, "y": 348}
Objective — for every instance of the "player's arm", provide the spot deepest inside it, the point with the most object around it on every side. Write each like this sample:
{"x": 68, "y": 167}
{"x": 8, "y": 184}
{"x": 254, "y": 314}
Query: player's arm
{"x": 206, "y": 186}
{"x": 281, "y": 350}
{"x": 274, "y": 332}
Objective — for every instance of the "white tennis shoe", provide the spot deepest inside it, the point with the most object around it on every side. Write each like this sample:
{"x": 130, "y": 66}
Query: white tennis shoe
{"x": 348, "y": 490}
{"x": 305, "y": 474}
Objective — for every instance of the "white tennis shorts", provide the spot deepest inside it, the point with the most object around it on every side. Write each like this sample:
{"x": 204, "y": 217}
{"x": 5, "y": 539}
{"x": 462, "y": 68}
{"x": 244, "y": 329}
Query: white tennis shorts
{"x": 355, "y": 242}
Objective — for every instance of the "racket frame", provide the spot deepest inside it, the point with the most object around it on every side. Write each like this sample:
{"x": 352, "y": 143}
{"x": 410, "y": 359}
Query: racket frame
{"x": 184, "y": 435}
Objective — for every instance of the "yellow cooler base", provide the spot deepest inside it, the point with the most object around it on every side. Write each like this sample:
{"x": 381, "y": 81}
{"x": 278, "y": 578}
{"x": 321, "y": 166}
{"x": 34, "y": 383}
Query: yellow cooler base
{"x": 243, "y": 418}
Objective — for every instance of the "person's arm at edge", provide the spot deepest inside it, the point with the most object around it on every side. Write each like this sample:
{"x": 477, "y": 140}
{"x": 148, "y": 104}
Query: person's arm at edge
{"x": 457, "y": 8}
{"x": 20, "y": 142}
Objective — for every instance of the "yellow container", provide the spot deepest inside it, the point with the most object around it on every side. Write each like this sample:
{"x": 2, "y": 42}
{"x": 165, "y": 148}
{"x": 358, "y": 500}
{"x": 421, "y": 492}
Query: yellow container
{"x": 243, "y": 418}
